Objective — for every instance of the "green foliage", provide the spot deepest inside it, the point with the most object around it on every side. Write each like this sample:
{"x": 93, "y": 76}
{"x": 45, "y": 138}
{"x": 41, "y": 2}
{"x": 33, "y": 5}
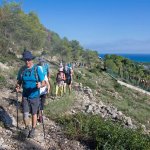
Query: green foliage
{"x": 103, "y": 135}
{"x": 2, "y": 81}
{"x": 118, "y": 87}
{"x": 19, "y": 30}
{"x": 127, "y": 70}
{"x": 57, "y": 108}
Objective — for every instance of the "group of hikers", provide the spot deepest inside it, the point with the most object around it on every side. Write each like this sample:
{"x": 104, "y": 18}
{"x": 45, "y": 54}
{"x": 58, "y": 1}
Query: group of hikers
{"x": 35, "y": 82}
{"x": 63, "y": 78}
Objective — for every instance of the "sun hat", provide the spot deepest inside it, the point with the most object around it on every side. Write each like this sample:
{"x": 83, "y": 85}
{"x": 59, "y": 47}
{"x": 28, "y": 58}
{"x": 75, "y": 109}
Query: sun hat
{"x": 61, "y": 69}
{"x": 27, "y": 55}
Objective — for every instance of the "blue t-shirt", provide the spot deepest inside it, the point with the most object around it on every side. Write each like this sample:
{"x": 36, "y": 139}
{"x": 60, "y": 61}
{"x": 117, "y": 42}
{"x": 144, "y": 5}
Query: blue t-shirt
{"x": 29, "y": 78}
{"x": 45, "y": 67}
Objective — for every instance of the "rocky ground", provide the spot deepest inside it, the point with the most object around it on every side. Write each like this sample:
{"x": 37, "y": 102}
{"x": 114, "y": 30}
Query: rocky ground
{"x": 12, "y": 138}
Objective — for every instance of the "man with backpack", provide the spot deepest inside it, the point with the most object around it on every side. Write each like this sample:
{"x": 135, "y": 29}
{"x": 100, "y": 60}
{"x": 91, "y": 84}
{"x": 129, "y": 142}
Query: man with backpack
{"x": 44, "y": 90}
{"x": 31, "y": 78}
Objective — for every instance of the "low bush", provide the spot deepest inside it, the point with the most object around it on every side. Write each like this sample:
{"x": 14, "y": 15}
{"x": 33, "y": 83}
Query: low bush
{"x": 103, "y": 135}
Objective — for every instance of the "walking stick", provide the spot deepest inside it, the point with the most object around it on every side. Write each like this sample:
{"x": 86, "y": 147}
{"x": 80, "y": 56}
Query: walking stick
{"x": 17, "y": 108}
{"x": 43, "y": 124}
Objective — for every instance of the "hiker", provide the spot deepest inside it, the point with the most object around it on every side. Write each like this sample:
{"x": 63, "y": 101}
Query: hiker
{"x": 60, "y": 78}
{"x": 31, "y": 78}
{"x": 46, "y": 71}
{"x": 43, "y": 90}
{"x": 65, "y": 81}
{"x": 69, "y": 74}
{"x": 46, "y": 67}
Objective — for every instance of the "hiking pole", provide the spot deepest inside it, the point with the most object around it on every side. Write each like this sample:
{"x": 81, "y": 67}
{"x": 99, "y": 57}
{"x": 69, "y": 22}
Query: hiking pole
{"x": 43, "y": 124}
{"x": 17, "y": 108}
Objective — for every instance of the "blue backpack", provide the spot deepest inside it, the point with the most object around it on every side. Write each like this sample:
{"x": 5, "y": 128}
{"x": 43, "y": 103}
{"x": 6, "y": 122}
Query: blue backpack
{"x": 68, "y": 73}
{"x": 45, "y": 67}
{"x": 24, "y": 71}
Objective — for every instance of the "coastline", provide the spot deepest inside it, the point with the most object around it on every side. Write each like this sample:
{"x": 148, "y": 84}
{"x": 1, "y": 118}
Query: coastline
{"x": 141, "y": 58}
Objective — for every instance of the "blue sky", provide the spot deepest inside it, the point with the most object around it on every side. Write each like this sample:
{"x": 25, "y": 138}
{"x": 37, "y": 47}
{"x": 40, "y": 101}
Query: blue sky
{"x": 107, "y": 26}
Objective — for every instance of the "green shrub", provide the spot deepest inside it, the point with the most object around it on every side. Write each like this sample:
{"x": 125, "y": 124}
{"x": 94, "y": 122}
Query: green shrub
{"x": 103, "y": 135}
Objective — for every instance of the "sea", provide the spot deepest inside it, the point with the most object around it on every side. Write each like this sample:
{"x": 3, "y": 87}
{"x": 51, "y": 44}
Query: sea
{"x": 143, "y": 58}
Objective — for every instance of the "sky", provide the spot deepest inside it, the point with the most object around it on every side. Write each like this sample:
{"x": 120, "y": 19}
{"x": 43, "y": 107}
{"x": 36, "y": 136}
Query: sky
{"x": 107, "y": 26}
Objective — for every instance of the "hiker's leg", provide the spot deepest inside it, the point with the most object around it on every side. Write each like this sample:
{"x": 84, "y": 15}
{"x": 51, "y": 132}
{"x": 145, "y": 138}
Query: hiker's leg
{"x": 69, "y": 84}
{"x": 25, "y": 105}
{"x": 61, "y": 90}
{"x": 57, "y": 88}
{"x": 69, "y": 88}
{"x": 34, "y": 120}
{"x": 34, "y": 107}
{"x": 42, "y": 100}
{"x": 64, "y": 88}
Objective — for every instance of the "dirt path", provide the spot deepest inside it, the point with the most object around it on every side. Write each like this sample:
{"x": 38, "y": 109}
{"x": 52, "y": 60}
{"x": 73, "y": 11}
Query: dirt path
{"x": 133, "y": 87}
{"x": 12, "y": 138}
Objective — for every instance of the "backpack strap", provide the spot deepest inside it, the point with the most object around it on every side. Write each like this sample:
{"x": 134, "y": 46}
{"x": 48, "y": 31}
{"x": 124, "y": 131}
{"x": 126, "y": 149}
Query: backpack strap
{"x": 35, "y": 72}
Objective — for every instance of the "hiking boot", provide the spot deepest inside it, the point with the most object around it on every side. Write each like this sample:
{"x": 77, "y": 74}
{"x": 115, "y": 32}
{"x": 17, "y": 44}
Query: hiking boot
{"x": 32, "y": 133}
{"x": 26, "y": 132}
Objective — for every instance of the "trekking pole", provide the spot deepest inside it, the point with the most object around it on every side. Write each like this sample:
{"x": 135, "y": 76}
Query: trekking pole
{"x": 17, "y": 108}
{"x": 43, "y": 124}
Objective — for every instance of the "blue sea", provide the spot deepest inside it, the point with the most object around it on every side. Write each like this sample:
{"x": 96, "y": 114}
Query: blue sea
{"x": 145, "y": 58}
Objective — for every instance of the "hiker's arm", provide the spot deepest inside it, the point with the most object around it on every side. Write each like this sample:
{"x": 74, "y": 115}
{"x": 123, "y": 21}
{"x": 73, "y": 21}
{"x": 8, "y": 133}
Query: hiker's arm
{"x": 18, "y": 86}
{"x": 41, "y": 84}
{"x": 71, "y": 73}
{"x": 48, "y": 86}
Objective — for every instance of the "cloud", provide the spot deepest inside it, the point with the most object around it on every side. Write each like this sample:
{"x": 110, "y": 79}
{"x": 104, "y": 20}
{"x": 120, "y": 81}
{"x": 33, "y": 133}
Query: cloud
{"x": 122, "y": 46}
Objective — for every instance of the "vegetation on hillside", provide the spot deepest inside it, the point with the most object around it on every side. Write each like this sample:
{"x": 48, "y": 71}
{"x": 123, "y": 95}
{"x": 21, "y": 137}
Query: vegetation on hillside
{"x": 103, "y": 135}
{"x": 128, "y": 71}
{"x": 19, "y": 31}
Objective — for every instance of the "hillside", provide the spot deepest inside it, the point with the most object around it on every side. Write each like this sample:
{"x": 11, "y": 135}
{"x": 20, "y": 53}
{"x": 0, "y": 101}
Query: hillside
{"x": 94, "y": 93}
{"x": 100, "y": 113}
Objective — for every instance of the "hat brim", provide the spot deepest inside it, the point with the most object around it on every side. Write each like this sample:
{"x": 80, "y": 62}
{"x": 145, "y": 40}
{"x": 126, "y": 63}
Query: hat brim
{"x": 25, "y": 58}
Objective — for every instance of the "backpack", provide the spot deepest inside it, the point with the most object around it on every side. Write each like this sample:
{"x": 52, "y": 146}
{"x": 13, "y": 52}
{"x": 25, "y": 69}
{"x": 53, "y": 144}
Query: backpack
{"x": 45, "y": 68}
{"x": 67, "y": 73}
{"x": 23, "y": 71}
{"x": 60, "y": 77}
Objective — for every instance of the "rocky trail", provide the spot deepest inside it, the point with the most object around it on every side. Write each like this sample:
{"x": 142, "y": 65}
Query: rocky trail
{"x": 12, "y": 138}
{"x": 84, "y": 101}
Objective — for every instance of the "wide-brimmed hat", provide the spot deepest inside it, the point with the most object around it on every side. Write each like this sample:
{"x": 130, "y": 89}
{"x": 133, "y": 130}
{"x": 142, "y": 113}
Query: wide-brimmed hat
{"x": 27, "y": 55}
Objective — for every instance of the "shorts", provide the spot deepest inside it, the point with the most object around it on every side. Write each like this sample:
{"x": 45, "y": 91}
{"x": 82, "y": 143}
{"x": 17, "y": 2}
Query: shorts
{"x": 42, "y": 101}
{"x": 30, "y": 105}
